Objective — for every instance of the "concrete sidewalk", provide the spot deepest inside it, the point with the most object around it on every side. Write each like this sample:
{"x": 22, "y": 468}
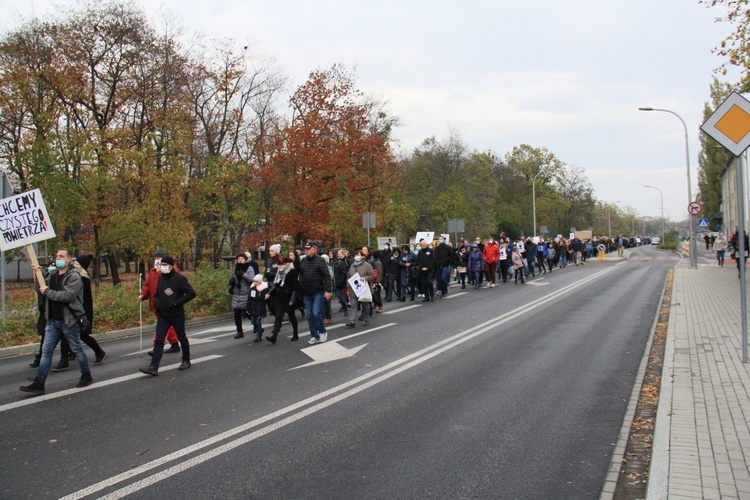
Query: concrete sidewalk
{"x": 702, "y": 435}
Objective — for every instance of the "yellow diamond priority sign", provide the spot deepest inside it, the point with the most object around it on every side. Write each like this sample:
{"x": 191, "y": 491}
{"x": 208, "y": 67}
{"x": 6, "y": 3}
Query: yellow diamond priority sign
{"x": 730, "y": 124}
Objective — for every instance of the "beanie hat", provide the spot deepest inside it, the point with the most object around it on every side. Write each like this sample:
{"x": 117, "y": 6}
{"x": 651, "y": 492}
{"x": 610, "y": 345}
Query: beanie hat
{"x": 258, "y": 278}
{"x": 84, "y": 261}
{"x": 160, "y": 252}
{"x": 167, "y": 260}
{"x": 276, "y": 248}
{"x": 241, "y": 254}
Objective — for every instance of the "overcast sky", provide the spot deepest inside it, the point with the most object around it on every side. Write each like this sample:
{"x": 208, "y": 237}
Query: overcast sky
{"x": 568, "y": 75}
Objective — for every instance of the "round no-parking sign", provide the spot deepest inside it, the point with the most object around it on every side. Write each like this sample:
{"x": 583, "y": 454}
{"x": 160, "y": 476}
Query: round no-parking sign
{"x": 694, "y": 208}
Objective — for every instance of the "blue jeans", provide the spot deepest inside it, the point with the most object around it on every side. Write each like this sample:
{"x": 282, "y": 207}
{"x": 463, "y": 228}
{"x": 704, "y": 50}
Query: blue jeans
{"x": 257, "y": 322}
{"x": 340, "y": 296}
{"x": 443, "y": 279}
{"x": 162, "y": 326}
{"x": 52, "y": 333}
{"x": 315, "y": 310}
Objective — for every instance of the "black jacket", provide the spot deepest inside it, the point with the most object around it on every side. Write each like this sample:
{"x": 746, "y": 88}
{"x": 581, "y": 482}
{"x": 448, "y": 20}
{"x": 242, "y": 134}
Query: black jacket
{"x": 314, "y": 276}
{"x": 340, "y": 268}
{"x": 426, "y": 258}
{"x": 172, "y": 292}
{"x": 444, "y": 255}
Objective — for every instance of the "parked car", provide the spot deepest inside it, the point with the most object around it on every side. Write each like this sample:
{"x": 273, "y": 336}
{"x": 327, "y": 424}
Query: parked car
{"x": 655, "y": 241}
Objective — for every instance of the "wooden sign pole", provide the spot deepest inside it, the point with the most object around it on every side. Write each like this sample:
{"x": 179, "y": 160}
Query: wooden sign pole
{"x": 35, "y": 262}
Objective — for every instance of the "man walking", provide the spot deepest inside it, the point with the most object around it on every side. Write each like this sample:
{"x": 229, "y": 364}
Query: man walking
{"x": 148, "y": 292}
{"x": 63, "y": 294}
{"x": 172, "y": 292}
{"x": 426, "y": 263}
{"x": 444, "y": 258}
{"x": 316, "y": 288}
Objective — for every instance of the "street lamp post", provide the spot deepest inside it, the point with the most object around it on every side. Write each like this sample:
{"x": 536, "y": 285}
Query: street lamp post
{"x": 609, "y": 216}
{"x": 661, "y": 197}
{"x": 533, "y": 199}
{"x": 691, "y": 236}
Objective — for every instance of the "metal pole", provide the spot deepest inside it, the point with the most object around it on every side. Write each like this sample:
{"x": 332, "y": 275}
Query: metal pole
{"x": 533, "y": 199}
{"x": 691, "y": 236}
{"x": 3, "y": 194}
{"x": 368, "y": 230}
{"x": 741, "y": 254}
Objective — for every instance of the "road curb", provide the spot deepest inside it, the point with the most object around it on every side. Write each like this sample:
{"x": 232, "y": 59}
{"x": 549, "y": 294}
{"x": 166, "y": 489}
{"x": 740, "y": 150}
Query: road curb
{"x": 22, "y": 350}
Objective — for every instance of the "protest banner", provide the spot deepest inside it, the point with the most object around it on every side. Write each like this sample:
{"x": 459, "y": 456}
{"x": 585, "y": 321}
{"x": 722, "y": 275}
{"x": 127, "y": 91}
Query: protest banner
{"x": 24, "y": 221}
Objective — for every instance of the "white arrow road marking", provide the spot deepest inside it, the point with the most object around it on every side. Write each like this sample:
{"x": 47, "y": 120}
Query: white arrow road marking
{"x": 328, "y": 351}
{"x": 332, "y": 351}
{"x": 97, "y": 384}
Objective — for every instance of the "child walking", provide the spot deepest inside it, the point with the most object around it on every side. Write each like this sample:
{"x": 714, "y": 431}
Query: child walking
{"x": 256, "y": 305}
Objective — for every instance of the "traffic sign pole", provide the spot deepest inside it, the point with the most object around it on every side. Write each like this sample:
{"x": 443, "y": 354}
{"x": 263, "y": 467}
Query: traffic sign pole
{"x": 729, "y": 126}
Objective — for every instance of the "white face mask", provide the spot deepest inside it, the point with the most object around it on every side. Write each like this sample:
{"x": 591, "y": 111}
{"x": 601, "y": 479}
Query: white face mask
{"x": 165, "y": 269}
{"x": 157, "y": 263}
{"x": 357, "y": 258}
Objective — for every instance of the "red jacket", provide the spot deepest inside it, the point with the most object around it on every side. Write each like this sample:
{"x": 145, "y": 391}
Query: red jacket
{"x": 491, "y": 253}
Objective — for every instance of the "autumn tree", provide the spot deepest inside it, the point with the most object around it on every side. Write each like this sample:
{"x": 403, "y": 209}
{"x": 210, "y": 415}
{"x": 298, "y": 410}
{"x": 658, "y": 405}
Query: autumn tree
{"x": 713, "y": 157}
{"x": 231, "y": 94}
{"x": 332, "y": 156}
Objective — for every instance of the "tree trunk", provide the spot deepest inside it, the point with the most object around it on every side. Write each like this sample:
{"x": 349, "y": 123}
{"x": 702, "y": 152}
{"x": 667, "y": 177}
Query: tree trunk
{"x": 112, "y": 258}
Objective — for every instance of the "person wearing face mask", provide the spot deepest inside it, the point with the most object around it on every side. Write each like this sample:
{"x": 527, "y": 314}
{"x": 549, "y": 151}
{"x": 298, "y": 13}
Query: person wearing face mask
{"x": 406, "y": 265}
{"x": 41, "y": 322}
{"x": 364, "y": 268}
{"x": 491, "y": 254}
{"x": 172, "y": 293}
{"x": 63, "y": 293}
{"x": 239, "y": 285}
{"x": 81, "y": 264}
{"x": 149, "y": 290}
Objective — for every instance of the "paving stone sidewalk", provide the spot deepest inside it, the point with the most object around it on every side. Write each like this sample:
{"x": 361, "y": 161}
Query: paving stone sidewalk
{"x": 702, "y": 434}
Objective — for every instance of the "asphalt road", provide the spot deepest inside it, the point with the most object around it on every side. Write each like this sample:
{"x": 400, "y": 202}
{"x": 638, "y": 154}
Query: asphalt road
{"x": 513, "y": 392}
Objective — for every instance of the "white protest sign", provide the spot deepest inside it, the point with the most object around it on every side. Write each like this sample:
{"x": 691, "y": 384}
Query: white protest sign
{"x": 424, "y": 235}
{"x": 358, "y": 284}
{"x": 24, "y": 220}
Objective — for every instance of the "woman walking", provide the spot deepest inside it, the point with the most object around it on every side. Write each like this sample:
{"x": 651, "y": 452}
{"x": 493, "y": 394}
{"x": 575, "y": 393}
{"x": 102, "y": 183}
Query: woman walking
{"x": 364, "y": 269}
{"x": 720, "y": 247}
{"x": 282, "y": 298}
{"x": 239, "y": 285}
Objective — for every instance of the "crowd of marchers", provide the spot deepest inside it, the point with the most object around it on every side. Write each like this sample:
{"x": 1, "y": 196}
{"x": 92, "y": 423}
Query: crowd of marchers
{"x": 303, "y": 280}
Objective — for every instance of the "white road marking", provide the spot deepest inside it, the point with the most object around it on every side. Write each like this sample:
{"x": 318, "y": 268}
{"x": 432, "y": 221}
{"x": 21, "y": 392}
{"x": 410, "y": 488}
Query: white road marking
{"x": 96, "y": 385}
{"x": 368, "y": 380}
{"x": 401, "y": 309}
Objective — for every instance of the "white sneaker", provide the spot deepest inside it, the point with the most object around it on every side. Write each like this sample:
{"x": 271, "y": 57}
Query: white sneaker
{"x": 488, "y": 285}
{"x": 323, "y": 337}
{"x": 313, "y": 341}
{"x": 492, "y": 285}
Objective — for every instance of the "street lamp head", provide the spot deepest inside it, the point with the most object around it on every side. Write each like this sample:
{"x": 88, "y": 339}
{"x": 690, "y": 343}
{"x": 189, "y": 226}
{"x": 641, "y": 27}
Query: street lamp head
{"x": 645, "y": 109}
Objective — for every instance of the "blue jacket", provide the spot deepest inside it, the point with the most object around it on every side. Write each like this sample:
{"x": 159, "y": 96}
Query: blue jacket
{"x": 476, "y": 261}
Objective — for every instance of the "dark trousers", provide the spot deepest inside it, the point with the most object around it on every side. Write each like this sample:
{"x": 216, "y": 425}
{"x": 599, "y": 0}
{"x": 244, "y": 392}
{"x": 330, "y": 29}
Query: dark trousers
{"x": 281, "y": 307}
{"x": 238, "y": 314}
{"x": 503, "y": 265}
{"x": 425, "y": 283}
{"x": 162, "y": 325}
{"x": 490, "y": 270}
